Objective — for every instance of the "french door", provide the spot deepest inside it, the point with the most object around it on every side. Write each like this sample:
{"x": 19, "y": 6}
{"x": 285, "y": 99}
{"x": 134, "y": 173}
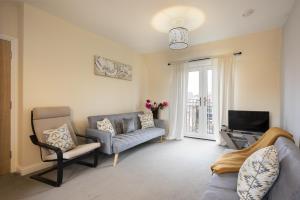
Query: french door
{"x": 202, "y": 105}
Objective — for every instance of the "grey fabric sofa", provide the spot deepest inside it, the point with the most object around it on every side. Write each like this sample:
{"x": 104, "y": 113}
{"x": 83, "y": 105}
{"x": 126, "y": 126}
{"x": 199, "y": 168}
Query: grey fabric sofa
{"x": 121, "y": 141}
{"x": 286, "y": 187}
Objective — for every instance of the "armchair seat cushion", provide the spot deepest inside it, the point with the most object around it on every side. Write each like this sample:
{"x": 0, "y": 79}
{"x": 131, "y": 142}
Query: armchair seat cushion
{"x": 77, "y": 151}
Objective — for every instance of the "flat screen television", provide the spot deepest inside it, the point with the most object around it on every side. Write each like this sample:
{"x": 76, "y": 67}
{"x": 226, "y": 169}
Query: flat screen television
{"x": 252, "y": 121}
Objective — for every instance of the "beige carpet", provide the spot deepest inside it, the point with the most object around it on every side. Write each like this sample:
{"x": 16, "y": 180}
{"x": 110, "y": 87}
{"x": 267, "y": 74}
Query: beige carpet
{"x": 174, "y": 170}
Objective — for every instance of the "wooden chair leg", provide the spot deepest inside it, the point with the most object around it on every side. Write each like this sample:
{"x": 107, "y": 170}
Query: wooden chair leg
{"x": 116, "y": 159}
{"x": 161, "y": 139}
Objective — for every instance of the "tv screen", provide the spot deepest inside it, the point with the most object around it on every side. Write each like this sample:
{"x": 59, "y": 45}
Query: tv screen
{"x": 253, "y": 121}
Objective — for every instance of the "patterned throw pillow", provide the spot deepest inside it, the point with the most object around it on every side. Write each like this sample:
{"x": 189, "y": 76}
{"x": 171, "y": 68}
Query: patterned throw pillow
{"x": 258, "y": 173}
{"x": 60, "y": 138}
{"x": 105, "y": 125}
{"x": 146, "y": 120}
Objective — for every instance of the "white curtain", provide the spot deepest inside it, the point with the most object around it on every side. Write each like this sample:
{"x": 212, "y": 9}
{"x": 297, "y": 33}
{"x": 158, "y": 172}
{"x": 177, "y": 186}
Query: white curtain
{"x": 226, "y": 68}
{"x": 178, "y": 101}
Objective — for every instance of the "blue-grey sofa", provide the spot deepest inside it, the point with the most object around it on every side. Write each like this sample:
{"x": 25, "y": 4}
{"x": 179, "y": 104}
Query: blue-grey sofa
{"x": 123, "y": 141}
{"x": 286, "y": 187}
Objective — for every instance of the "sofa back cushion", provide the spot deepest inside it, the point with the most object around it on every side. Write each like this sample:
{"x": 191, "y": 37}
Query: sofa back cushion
{"x": 116, "y": 120}
{"x": 287, "y": 185}
{"x": 129, "y": 125}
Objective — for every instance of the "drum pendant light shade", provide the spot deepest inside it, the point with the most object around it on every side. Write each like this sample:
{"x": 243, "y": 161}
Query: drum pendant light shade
{"x": 178, "y": 38}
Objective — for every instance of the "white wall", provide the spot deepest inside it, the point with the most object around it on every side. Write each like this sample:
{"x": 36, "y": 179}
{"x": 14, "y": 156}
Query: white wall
{"x": 291, "y": 73}
{"x": 258, "y": 70}
{"x": 56, "y": 68}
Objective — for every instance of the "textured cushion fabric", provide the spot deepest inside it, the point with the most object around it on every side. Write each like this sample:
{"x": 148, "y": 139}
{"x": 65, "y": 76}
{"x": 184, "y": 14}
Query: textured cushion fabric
{"x": 287, "y": 185}
{"x": 105, "y": 125}
{"x": 60, "y": 138}
{"x": 123, "y": 142}
{"x": 258, "y": 173}
{"x": 224, "y": 181}
{"x": 77, "y": 151}
{"x": 146, "y": 120}
{"x": 116, "y": 120}
{"x": 219, "y": 194}
{"x": 128, "y": 125}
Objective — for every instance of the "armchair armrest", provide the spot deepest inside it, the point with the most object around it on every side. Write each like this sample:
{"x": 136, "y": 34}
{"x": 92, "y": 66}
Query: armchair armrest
{"x": 104, "y": 137}
{"x": 57, "y": 150}
{"x": 159, "y": 123}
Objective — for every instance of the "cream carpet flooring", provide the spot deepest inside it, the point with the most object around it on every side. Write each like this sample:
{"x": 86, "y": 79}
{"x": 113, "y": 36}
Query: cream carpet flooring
{"x": 173, "y": 170}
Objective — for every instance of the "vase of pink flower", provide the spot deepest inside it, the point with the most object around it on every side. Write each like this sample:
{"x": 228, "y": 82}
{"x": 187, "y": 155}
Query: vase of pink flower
{"x": 155, "y": 107}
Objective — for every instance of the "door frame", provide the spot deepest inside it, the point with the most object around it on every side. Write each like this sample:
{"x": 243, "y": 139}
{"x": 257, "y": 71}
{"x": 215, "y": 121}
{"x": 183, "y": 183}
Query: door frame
{"x": 14, "y": 101}
{"x": 206, "y": 64}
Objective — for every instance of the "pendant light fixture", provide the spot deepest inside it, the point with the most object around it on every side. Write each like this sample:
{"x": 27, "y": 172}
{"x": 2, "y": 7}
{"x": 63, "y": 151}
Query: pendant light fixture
{"x": 178, "y": 38}
{"x": 178, "y": 21}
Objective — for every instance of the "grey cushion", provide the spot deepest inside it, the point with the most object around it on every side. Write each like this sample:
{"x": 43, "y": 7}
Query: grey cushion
{"x": 224, "y": 181}
{"x": 219, "y": 194}
{"x": 128, "y": 125}
{"x": 116, "y": 120}
{"x": 123, "y": 142}
{"x": 287, "y": 185}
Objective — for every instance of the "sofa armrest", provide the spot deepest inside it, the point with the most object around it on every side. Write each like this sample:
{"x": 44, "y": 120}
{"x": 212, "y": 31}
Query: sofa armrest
{"x": 159, "y": 123}
{"x": 104, "y": 137}
{"x": 95, "y": 139}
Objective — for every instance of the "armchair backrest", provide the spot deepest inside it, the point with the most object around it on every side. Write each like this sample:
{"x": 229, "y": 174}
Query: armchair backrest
{"x": 45, "y": 118}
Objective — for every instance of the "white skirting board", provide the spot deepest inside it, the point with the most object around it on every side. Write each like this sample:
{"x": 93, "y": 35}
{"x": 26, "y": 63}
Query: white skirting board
{"x": 33, "y": 168}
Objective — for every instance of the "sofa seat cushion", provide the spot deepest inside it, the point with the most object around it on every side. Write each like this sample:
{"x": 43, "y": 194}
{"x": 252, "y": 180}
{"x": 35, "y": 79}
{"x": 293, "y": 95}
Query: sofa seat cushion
{"x": 123, "y": 142}
{"x": 224, "y": 181}
{"x": 214, "y": 193}
{"x": 77, "y": 151}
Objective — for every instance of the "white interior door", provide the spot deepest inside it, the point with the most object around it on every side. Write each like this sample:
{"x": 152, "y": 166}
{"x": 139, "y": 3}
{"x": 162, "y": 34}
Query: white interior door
{"x": 201, "y": 108}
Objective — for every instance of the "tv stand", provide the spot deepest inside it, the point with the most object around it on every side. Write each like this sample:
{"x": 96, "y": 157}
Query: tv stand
{"x": 239, "y": 139}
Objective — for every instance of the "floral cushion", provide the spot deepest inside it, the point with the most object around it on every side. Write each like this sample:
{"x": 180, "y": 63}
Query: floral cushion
{"x": 257, "y": 174}
{"x": 60, "y": 138}
{"x": 105, "y": 125}
{"x": 146, "y": 120}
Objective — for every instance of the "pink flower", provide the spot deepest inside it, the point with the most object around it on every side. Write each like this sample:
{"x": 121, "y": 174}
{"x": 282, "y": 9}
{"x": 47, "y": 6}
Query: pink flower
{"x": 148, "y": 105}
{"x": 148, "y": 101}
{"x": 165, "y": 104}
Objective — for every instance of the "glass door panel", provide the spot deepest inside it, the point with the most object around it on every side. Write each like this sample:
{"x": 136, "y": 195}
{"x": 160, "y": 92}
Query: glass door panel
{"x": 201, "y": 108}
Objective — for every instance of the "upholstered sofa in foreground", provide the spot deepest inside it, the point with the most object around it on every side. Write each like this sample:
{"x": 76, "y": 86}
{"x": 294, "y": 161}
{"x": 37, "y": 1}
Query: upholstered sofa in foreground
{"x": 123, "y": 141}
{"x": 286, "y": 187}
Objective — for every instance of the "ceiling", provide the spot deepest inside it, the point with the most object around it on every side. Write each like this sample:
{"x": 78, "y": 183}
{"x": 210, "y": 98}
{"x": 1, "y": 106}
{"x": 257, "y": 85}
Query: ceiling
{"x": 129, "y": 21}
